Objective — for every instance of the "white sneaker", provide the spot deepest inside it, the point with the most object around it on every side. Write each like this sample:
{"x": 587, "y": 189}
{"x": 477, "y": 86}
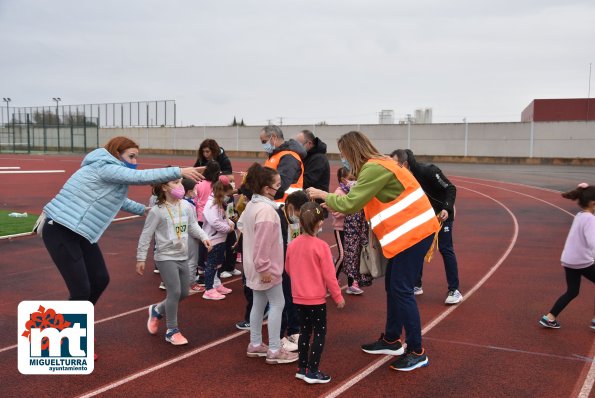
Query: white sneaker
{"x": 236, "y": 272}
{"x": 162, "y": 286}
{"x": 418, "y": 290}
{"x": 225, "y": 274}
{"x": 155, "y": 271}
{"x": 454, "y": 297}
{"x": 288, "y": 345}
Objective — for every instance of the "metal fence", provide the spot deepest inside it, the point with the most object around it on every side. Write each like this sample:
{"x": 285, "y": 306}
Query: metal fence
{"x": 161, "y": 113}
{"x": 34, "y": 133}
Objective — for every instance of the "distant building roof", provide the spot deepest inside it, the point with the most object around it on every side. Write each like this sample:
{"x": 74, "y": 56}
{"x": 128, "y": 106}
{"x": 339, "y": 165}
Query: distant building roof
{"x": 560, "y": 109}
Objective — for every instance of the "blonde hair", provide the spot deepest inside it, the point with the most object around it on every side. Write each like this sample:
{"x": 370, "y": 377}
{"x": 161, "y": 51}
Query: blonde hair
{"x": 357, "y": 148}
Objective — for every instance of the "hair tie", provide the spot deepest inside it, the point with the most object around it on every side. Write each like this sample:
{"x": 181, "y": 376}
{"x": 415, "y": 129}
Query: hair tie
{"x": 583, "y": 185}
{"x": 224, "y": 180}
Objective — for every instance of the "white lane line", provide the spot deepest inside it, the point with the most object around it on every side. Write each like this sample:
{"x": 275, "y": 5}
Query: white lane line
{"x": 30, "y": 171}
{"x": 361, "y": 374}
{"x": 509, "y": 183}
{"x": 111, "y": 318}
{"x": 162, "y": 365}
{"x": 587, "y": 386}
{"x": 9, "y": 168}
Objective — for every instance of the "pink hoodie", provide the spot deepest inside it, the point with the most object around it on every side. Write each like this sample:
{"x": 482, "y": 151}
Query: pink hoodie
{"x": 203, "y": 190}
{"x": 310, "y": 266}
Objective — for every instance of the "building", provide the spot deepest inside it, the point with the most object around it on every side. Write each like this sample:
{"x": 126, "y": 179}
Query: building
{"x": 561, "y": 109}
{"x": 386, "y": 116}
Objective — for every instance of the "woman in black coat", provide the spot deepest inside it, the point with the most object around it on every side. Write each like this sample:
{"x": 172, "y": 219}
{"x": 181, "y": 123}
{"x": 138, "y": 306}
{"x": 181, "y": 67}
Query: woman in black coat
{"x": 210, "y": 150}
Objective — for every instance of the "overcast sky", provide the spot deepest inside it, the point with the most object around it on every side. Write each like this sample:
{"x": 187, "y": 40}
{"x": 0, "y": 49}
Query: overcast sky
{"x": 337, "y": 61}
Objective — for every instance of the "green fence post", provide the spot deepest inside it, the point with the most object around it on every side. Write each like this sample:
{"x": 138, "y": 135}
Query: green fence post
{"x": 28, "y": 135}
{"x": 71, "y": 135}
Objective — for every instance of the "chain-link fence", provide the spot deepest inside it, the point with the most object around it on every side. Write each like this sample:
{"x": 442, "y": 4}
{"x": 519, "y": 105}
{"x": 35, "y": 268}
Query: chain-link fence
{"x": 47, "y": 133}
{"x": 161, "y": 113}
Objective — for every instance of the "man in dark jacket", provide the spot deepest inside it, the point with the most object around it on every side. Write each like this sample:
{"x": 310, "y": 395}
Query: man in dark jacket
{"x": 317, "y": 171}
{"x": 442, "y": 194}
{"x": 287, "y": 165}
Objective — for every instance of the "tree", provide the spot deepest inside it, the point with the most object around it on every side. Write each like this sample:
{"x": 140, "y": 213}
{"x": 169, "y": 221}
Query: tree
{"x": 234, "y": 123}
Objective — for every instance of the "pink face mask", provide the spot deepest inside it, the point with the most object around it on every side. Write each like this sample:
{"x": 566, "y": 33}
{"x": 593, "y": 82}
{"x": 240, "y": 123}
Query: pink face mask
{"x": 178, "y": 192}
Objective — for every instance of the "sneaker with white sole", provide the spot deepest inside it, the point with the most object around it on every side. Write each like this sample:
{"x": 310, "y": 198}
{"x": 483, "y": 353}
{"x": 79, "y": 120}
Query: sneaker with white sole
{"x": 453, "y": 297}
{"x": 545, "y": 322}
{"x": 243, "y": 325}
{"x": 225, "y": 275}
{"x": 175, "y": 337}
{"x": 316, "y": 377}
{"x": 418, "y": 290}
{"x": 300, "y": 373}
{"x": 162, "y": 286}
{"x": 223, "y": 290}
{"x": 384, "y": 347}
{"x": 212, "y": 294}
{"x": 354, "y": 289}
{"x": 236, "y": 272}
{"x": 257, "y": 351}
{"x": 281, "y": 356}
{"x": 410, "y": 361}
{"x": 153, "y": 321}
{"x": 288, "y": 345}
{"x": 155, "y": 271}
{"x": 196, "y": 288}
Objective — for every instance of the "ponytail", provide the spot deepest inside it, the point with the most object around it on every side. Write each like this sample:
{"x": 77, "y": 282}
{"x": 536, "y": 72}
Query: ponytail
{"x": 583, "y": 193}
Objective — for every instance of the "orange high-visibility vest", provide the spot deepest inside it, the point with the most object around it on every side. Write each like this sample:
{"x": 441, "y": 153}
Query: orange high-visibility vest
{"x": 406, "y": 220}
{"x": 273, "y": 162}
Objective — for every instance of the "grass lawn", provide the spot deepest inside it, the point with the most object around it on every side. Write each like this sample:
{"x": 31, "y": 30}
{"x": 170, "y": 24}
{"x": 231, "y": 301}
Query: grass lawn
{"x": 15, "y": 225}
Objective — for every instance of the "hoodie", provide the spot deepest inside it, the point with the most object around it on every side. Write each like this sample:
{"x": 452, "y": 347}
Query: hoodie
{"x": 289, "y": 168}
{"x": 317, "y": 171}
{"x": 93, "y": 195}
{"x": 222, "y": 159}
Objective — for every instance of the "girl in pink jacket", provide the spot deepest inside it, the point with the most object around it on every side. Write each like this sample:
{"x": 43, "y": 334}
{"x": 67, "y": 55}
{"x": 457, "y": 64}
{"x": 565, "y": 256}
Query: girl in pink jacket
{"x": 310, "y": 266}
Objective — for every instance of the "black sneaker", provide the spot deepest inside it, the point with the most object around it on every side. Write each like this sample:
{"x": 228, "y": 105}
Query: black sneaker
{"x": 544, "y": 321}
{"x": 381, "y": 346}
{"x": 243, "y": 325}
{"x": 300, "y": 374}
{"x": 316, "y": 378}
{"x": 410, "y": 361}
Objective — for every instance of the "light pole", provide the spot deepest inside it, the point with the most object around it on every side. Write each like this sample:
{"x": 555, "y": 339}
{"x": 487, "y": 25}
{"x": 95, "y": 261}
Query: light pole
{"x": 466, "y": 134}
{"x": 7, "y": 100}
{"x": 57, "y": 100}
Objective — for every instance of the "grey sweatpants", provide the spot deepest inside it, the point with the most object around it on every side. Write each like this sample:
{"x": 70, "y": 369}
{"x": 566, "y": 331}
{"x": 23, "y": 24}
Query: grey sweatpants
{"x": 176, "y": 276}
{"x": 192, "y": 258}
{"x": 274, "y": 296}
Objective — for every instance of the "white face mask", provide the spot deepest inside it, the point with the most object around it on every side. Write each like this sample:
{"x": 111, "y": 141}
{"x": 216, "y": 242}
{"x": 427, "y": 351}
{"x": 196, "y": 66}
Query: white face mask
{"x": 293, "y": 219}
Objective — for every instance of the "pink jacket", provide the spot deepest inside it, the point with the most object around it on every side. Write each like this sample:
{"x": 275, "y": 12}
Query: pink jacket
{"x": 310, "y": 266}
{"x": 203, "y": 190}
{"x": 338, "y": 218}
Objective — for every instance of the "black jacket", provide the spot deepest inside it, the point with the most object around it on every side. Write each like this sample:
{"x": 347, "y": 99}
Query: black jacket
{"x": 441, "y": 192}
{"x": 289, "y": 168}
{"x": 222, "y": 159}
{"x": 317, "y": 171}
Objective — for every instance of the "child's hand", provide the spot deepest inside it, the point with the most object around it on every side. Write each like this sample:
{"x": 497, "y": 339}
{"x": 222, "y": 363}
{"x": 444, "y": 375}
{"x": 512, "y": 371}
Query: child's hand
{"x": 341, "y": 303}
{"x": 266, "y": 277}
{"x": 207, "y": 244}
{"x": 140, "y": 267}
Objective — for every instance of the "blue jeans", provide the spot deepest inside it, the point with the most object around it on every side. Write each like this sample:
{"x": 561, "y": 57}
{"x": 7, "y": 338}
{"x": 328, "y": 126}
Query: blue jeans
{"x": 402, "y": 312}
{"x": 214, "y": 259}
{"x": 447, "y": 251}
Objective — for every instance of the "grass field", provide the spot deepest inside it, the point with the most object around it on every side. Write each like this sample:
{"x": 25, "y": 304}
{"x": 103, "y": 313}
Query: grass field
{"x": 15, "y": 225}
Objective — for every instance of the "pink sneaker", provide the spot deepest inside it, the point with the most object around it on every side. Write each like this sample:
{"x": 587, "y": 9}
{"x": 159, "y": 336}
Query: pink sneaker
{"x": 175, "y": 337}
{"x": 223, "y": 290}
{"x": 257, "y": 351}
{"x": 212, "y": 294}
{"x": 281, "y": 356}
{"x": 153, "y": 321}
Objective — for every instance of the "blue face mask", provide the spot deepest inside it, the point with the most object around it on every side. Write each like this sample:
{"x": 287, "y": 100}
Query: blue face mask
{"x": 268, "y": 147}
{"x": 129, "y": 165}
{"x": 345, "y": 163}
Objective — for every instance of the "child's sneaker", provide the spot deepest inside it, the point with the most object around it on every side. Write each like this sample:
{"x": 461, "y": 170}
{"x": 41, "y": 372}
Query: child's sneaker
{"x": 354, "y": 289}
{"x": 545, "y": 322}
{"x": 410, "y": 361}
{"x": 281, "y": 356}
{"x": 257, "y": 351}
{"x": 196, "y": 288}
{"x": 593, "y": 323}
{"x": 212, "y": 294}
{"x": 300, "y": 374}
{"x": 162, "y": 286}
{"x": 288, "y": 345}
{"x": 155, "y": 271}
{"x": 384, "y": 347}
{"x": 236, "y": 272}
{"x": 154, "y": 317}
{"x": 418, "y": 290}
{"x": 223, "y": 290}
{"x": 453, "y": 297}
{"x": 243, "y": 325}
{"x": 316, "y": 378}
{"x": 225, "y": 275}
{"x": 200, "y": 280}
{"x": 175, "y": 337}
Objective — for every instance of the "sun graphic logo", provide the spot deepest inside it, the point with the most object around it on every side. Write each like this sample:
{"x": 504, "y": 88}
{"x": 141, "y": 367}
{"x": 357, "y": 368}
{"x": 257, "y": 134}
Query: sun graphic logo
{"x": 55, "y": 337}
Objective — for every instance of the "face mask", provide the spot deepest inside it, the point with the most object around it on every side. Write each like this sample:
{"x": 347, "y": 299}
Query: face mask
{"x": 268, "y": 147}
{"x": 351, "y": 183}
{"x": 294, "y": 219}
{"x": 345, "y": 163}
{"x": 129, "y": 165}
{"x": 177, "y": 192}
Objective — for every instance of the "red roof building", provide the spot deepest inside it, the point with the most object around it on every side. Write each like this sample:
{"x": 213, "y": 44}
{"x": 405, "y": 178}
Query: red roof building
{"x": 555, "y": 110}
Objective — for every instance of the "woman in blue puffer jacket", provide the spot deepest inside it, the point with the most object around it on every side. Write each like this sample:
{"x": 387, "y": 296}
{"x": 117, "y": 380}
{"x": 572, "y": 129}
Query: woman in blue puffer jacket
{"x": 87, "y": 204}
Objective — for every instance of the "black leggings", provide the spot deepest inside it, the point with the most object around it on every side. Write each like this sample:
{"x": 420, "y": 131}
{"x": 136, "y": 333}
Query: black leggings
{"x": 573, "y": 283}
{"x": 312, "y": 322}
{"x": 79, "y": 261}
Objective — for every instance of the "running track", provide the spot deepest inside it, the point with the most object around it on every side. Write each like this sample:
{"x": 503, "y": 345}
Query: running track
{"x": 510, "y": 229}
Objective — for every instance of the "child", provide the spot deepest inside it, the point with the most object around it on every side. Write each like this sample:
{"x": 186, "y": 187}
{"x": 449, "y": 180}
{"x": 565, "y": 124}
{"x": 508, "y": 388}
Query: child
{"x": 228, "y": 269}
{"x": 217, "y": 226}
{"x": 189, "y": 196}
{"x": 170, "y": 221}
{"x": 578, "y": 256}
{"x": 346, "y": 181}
{"x": 310, "y": 265}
